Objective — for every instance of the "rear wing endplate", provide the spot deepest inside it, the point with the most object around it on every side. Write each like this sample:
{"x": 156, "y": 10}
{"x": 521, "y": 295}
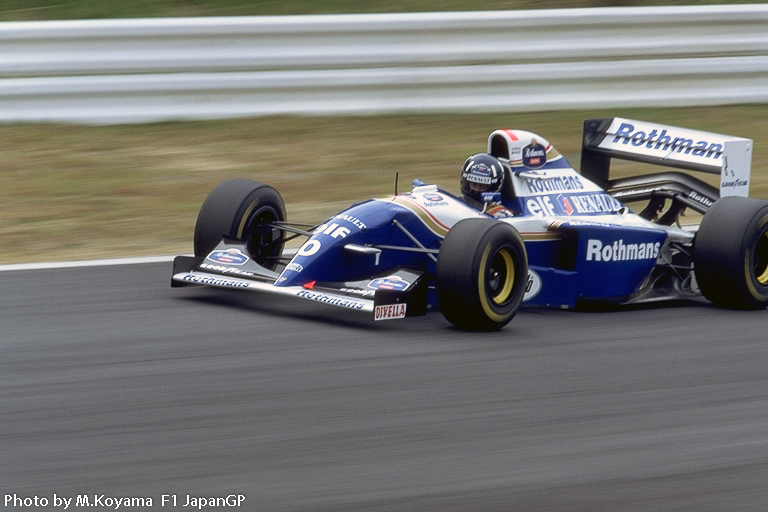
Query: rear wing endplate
{"x": 669, "y": 146}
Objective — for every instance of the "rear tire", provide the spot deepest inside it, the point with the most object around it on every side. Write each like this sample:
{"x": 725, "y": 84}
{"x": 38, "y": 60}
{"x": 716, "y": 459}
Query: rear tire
{"x": 245, "y": 210}
{"x": 731, "y": 253}
{"x": 481, "y": 274}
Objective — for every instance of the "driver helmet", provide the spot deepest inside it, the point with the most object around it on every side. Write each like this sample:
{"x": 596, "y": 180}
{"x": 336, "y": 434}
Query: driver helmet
{"x": 481, "y": 173}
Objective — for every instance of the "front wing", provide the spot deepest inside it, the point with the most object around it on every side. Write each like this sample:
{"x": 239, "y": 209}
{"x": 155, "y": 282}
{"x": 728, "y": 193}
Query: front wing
{"x": 381, "y": 303}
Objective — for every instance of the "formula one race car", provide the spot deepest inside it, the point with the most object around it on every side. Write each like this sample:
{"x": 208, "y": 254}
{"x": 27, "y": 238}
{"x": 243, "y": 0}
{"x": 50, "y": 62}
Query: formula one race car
{"x": 565, "y": 239}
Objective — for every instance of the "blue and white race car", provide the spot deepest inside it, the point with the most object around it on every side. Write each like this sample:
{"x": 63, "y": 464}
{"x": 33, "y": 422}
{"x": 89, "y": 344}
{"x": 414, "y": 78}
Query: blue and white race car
{"x": 550, "y": 237}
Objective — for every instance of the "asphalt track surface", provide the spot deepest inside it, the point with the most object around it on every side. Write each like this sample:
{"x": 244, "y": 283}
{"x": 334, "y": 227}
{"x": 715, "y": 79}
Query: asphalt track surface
{"x": 114, "y": 384}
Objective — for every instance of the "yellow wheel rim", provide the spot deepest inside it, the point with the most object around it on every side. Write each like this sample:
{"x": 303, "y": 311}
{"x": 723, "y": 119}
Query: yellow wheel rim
{"x": 761, "y": 259}
{"x": 509, "y": 280}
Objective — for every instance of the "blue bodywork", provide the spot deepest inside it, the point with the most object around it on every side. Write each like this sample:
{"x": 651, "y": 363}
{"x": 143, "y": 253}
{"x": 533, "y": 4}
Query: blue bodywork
{"x": 570, "y": 261}
{"x": 323, "y": 258}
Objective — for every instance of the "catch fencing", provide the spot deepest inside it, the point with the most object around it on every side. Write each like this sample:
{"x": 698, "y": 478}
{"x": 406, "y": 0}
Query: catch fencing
{"x": 142, "y": 70}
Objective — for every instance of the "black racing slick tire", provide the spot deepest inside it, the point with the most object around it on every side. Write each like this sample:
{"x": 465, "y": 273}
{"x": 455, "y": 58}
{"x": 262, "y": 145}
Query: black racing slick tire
{"x": 730, "y": 253}
{"x": 246, "y": 210}
{"x": 481, "y": 275}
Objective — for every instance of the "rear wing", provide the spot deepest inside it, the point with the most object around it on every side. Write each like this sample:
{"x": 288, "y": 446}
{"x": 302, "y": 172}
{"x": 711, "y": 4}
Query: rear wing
{"x": 669, "y": 146}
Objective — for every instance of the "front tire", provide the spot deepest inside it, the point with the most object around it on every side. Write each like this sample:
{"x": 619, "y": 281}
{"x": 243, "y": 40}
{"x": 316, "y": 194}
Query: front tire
{"x": 481, "y": 274}
{"x": 246, "y": 210}
{"x": 731, "y": 253}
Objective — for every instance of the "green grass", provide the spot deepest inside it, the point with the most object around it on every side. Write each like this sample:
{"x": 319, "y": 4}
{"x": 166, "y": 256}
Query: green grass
{"x": 80, "y": 192}
{"x": 14, "y": 10}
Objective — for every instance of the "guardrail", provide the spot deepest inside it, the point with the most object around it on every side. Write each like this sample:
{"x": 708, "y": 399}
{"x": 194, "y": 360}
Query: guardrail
{"x": 139, "y": 70}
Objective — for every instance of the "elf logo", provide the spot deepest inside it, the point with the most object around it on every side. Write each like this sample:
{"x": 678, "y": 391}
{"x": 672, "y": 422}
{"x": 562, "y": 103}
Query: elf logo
{"x": 620, "y": 251}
